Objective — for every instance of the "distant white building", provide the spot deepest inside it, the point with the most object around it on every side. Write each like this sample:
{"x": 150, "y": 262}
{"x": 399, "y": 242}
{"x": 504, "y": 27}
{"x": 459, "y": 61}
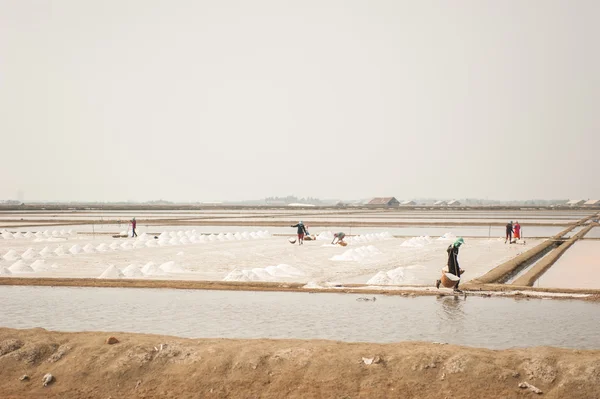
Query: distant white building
{"x": 592, "y": 203}
{"x": 408, "y": 203}
{"x": 575, "y": 202}
{"x": 454, "y": 203}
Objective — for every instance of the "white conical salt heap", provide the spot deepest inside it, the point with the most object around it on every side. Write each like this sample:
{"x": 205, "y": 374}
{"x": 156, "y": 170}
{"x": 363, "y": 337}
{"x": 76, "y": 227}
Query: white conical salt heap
{"x": 112, "y": 272}
{"x": 45, "y": 252}
{"x": 152, "y": 243}
{"x": 60, "y": 250}
{"x": 39, "y": 265}
{"x": 126, "y": 245}
{"x": 18, "y": 235}
{"x": 114, "y": 245}
{"x": 4, "y": 271}
{"x": 102, "y": 247}
{"x": 184, "y": 240}
{"x": 7, "y": 236}
{"x": 171, "y": 267}
{"x": 30, "y": 253}
{"x": 28, "y": 234}
{"x": 150, "y": 269}
{"x": 20, "y": 267}
{"x": 75, "y": 249}
{"x": 132, "y": 271}
{"x": 147, "y": 267}
{"x": 89, "y": 248}
{"x": 39, "y": 234}
{"x": 11, "y": 255}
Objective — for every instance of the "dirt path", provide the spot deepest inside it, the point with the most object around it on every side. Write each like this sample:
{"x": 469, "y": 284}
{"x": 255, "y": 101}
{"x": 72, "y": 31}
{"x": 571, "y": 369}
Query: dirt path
{"x": 152, "y": 366}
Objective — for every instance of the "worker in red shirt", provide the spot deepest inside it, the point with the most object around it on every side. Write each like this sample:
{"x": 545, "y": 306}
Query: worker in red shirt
{"x": 133, "y": 224}
{"x": 517, "y": 230}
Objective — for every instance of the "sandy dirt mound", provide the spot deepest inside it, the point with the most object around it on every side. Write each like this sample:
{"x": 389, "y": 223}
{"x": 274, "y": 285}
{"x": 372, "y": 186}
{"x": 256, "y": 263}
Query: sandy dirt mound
{"x": 153, "y": 366}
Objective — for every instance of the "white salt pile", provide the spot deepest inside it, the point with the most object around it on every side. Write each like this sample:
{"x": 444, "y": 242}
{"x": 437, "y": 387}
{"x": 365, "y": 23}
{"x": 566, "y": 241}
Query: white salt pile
{"x": 112, "y": 272}
{"x": 150, "y": 269}
{"x": 39, "y": 234}
{"x": 55, "y": 233}
{"x": 45, "y": 252}
{"x": 124, "y": 233}
{"x": 144, "y": 237}
{"x": 75, "y": 249}
{"x": 132, "y": 271}
{"x": 20, "y": 267}
{"x": 398, "y": 276}
{"x": 358, "y": 254}
{"x": 39, "y": 265}
{"x": 11, "y": 255}
{"x": 212, "y": 237}
{"x": 28, "y": 234}
{"x": 102, "y": 247}
{"x": 4, "y": 271}
{"x": 139, "y": 244}
{"x": 181, "y": 253}
{"x": 417, "y": 242}
{"x": 47, "y": 233}
{"x": 184, "y": 240}
{"x": 7, "y": 236}
{"x": 171, "y": 267}
{"x": 370, "y": 237}
{"x": 147, "y": 267}
{"x": 152, "y": 243}
{"x": 29, "y": 254}
{"x": 114, "y": 245}
{"x": 18, "y": 234}
{"x": 126, "y": 245}
{"x": 89, "y": 248}
{"x": 269, "y": 273}
{"x": 59, "y": 251}
{"x": 174, "y": 241}
{"x": 72, "y": 233}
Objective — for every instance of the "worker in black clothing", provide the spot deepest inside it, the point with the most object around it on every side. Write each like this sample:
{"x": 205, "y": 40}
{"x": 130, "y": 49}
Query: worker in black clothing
{"x": 453, "y": 266}
{"x": 509, "y": 232}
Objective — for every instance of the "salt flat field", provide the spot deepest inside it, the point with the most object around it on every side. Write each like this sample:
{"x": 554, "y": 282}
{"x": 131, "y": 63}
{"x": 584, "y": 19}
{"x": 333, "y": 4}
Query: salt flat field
{"x": 176, "y": 249}
{"x": 372, "y": 258}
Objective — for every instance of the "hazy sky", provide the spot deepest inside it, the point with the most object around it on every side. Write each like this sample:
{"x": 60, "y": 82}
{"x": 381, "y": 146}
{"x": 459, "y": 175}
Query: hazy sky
{"x": 215, "y": 100}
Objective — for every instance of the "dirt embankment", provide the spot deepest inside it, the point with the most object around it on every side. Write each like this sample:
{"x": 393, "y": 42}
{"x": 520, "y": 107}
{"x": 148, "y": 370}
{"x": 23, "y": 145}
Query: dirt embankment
{"x": 152, "y": 366}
